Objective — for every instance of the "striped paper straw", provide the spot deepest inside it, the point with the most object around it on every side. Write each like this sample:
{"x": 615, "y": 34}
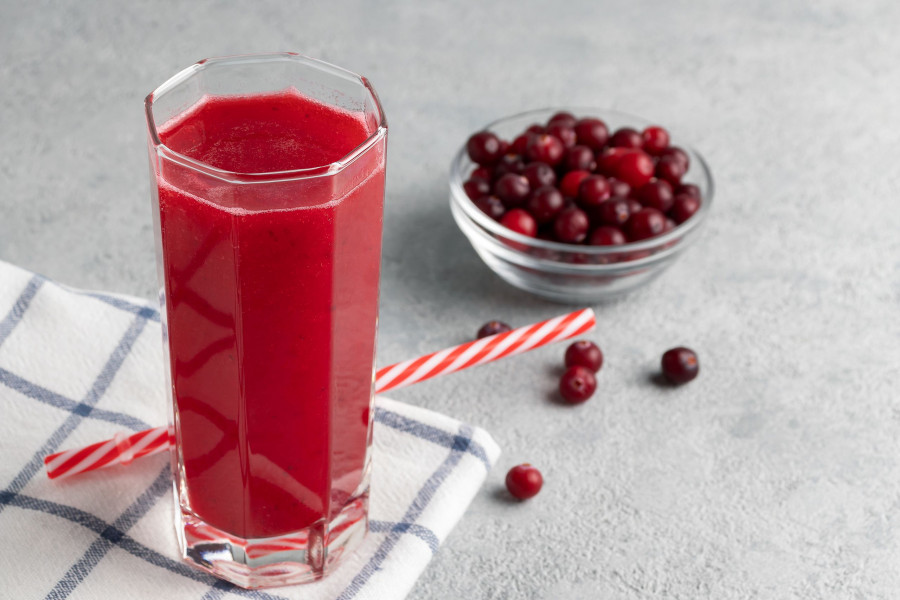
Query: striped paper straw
{"x": 123, "y": 449}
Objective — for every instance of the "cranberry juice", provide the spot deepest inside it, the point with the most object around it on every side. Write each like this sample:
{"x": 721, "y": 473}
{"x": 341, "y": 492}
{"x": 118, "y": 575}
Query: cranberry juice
{"x": 271, "y": 292}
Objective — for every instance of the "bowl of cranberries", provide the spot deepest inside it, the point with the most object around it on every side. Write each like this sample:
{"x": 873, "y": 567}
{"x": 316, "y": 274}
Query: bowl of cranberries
{"x": 578, "y": 204}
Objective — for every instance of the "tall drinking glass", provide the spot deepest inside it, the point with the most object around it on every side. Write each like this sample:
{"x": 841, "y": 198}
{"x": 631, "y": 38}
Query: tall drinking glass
{"x": 267, "y": 179}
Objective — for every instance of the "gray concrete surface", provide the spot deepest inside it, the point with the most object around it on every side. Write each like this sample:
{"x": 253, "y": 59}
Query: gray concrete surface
{"x": 775, "y": 474}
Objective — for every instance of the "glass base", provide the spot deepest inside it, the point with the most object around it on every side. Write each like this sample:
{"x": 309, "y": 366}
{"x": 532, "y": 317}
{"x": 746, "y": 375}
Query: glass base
{"x": 297, "y": 557}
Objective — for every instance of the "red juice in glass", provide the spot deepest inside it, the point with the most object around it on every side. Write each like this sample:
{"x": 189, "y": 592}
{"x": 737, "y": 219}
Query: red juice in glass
{"x": 269, "y": 186}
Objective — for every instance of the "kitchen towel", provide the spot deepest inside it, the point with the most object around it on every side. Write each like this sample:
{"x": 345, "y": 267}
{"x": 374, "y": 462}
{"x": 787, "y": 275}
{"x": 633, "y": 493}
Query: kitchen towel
{"x": 77, "y": 367}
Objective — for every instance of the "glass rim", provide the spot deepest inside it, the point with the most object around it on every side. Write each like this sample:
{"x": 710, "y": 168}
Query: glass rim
{"x": 327, "y": 170}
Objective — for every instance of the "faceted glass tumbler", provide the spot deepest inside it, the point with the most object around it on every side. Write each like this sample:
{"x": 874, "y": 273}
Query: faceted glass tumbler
{"x": 269, "y": 302}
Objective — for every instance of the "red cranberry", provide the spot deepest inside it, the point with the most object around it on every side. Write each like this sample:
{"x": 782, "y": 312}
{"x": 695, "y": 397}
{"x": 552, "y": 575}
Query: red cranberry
{"x": 512, "y": 189}
{"x": 564, "y": 118}
{"x": 633, "y": 205}
{"x": 484, "y": 148}
{"x": 592, "y": 133}
{"x": 635, "y": 168}
{"x": 584, "y": 353}
{"x": 491, "y": 206}
{"x": 579, "y": 158}
{"x": 608, "y": 160}
{"x": 545, "y": 148}
{"x": 593, "y": 190}
{"x": 481, "y": 173}
{"x": 613, "y": 212}
{"x": 571, "y": 181}
{"x": 545, "y": 203}
{"x": 504, "y": 147}
{"x": 626, "y": 137}
{"x": 520, "y": 221}
{"x": 670, "y": 168}
{"x": 645, "y": 223}
{"x": 617, "y": 187}
{"x": 684, "y": 207}
{"x": 657, "y": 194}
{"x": 680, "y": 154}
{"x": 535, "y": 129}
{"x": 524, "y": 481}
{"x": 680, "y": 365}
{"x": 571, "y": 226}
{"x": 565, "y": 133}
{"x": 607, "y": 236}
{"x": 493, "y": 328}
{"x": 508, "y": 163}
{"x": 685, "y": 188}
{"x": 670, "y": 225}
{"x": 476, "y": 188}
{"x": 520, "y": 144}
{"x": 656, "y": 139}
{"x": 539, "y": 174}
{"x": 577, "y": 384}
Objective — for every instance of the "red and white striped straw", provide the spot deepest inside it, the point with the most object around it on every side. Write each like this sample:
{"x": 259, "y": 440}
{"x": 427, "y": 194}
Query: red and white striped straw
{"x": 122, "y": 449}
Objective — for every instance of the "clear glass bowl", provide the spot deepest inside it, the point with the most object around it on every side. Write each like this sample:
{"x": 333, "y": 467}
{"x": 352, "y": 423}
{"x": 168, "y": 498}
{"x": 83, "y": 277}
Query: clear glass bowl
{"x": 565, "y": 272}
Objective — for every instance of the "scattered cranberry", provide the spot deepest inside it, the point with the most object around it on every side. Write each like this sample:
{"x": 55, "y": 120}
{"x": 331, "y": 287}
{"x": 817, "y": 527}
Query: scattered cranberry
{"x": 656, "y": 139}
{"x": 491, "y": 206}
{"x": 484, "y": 148}
{"x": 586, "y": 354}
{"x": 524, "y": 481}
{"x": 571, "y": 225}
{"x": 593, "y": 133}
{"x": 626, "y": 137}
{"x": 520, "y": 221}
{"x": 512, "y": 189}
{"x": 593, "y": 191}
{"x": 545, "y": 148}
{"x": 562, "y": 118}
{"x": 565, "y": 133}
{"x": 545, "y": 203}
{"x": 635, "y": 168}
{"x": 645, "y": 223}
{"x": 493, "y": 328}
{"x": 571, "y": 182}
{"x": 613, "y": 212}
{"x": 670, "y": 168}
{"x": 577, "y": 384}
{"x": 579, "y": 158}
{"x": 680, "y": 365}
{"x": 539, "y": 174}
{"x": 607, "y": 236}
{"x": 657, "y": 194}
{"x": 476, "y": 188}
{"x": 684, "y": 207}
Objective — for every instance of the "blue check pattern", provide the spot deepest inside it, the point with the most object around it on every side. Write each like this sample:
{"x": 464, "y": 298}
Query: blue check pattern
{"x": 460, "y": 443}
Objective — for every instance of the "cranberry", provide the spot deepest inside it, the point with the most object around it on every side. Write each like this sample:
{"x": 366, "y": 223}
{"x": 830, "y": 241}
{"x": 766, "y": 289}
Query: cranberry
{"x": 577, "y": 384}
{"x": 520, "y": 221}
{"x": 476, "y": 188}
{"x": 584, "y": 353}
{"x": 657, "y": 194}
{"x": 564, "y": 118}
{"x": 656, "y": 139}
{"x": 685, "y": 188}
{"x": 635, "y": 168}
{"x": 545, "y": 203}
{"x": 593, "y": 190}
{"x": 645, "y": 223}
{"x": 579, "y": 158}
{"x": 607, "y": 236}
{"x": 524, "y": 481}
{"x": 608, "y": 160}
{"x": 626, "y": 137}
{"x": 617, "y": 187}
{"x": 565, "y": 133}
{"x": 520, "y": 144}
{"x": 539, "y": 174}
{"x": 491, "y": 206}
{"x": 680, "y": 365}
{"x": 545, "y": 148}
{"x": 508, "y": 163}
{"x": 684, "y": 207}
{"x": 670, "y": 168}
{"x": 493, "y": 328}
{"x": 633, "y": 205}
{"x": 571, "y": 181}
{"x": 593, "y": 133}
{"x": 680, "y": 154}
{"x": 512, "y": 189}
{"x": 670, "y": 225}
{"x": 504, "y": 147}
{"x": 484, "y": 148}
{"x": 571, "y": 225}
{"x": 612, "y": 212}
{"x": 481, "y": 173}
{"x": 534, "y": 129}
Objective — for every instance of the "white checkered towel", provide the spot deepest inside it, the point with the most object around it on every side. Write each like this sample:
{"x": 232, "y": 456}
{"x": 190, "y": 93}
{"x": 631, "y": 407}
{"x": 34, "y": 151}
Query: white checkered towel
{"x": 76, "y": 367}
